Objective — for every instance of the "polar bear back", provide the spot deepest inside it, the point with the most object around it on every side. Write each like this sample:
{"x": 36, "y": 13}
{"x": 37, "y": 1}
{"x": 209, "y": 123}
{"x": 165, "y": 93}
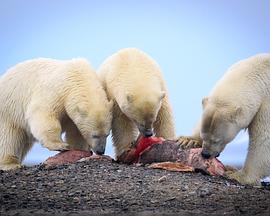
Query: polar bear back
{"x": 44, "y": 79}
{"x": 128, "y": 69}
{"x": 249, "y": 77}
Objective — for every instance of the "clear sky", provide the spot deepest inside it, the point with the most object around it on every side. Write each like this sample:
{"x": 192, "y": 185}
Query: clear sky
{"x": 194, "y": 42}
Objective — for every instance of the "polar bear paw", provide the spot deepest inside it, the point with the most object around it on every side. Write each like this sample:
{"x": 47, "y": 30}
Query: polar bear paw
{"x": 243, "y": 178}
{"x": 187, "y": 142}
{"x": 57, "y": 146}
{"x": 9, "y": 166}
{"x": 10, "y": 163}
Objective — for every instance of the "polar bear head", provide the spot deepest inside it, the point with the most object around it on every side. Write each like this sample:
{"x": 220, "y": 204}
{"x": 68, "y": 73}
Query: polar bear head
{"x": 101, "y": 126}
{"x": 95, "y": 125}
{"x": 219, "y": 126}
{"x": 142, "y": 110}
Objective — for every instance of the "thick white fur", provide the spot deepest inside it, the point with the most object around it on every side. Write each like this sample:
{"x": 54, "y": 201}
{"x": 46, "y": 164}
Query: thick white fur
{"x": 134, "y": 82}
{"x": 42, "y": 98}
{"x": 242, "y": 97}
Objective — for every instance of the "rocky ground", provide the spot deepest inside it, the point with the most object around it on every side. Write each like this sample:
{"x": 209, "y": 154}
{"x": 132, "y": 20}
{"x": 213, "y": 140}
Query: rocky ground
{"x": 104, "y": 188}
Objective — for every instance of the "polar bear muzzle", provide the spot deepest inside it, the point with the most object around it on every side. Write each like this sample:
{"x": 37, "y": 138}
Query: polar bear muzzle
{"x": 207, "y": 154}
{"x": 145, "y": 131}
{"x": 99, "y": 144}
{"x": 148, "y": 133}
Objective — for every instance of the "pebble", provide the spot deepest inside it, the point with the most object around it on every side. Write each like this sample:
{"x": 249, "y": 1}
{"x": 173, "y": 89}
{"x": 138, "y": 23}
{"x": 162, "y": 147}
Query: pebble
{"x": 228, "y": 184}
{"x": 204, "y": 192}
{"x": 76, "y": 199}
{"x": 192, "y": 193}
{"x": 170, "y": 199}
{"x": 71, "y": 194}
{"x": 162, "y": 179}
{"x": 185, "y": 188}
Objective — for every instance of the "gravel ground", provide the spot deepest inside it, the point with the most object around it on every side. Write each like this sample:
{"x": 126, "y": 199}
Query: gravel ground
{"x": 100, "y": 187}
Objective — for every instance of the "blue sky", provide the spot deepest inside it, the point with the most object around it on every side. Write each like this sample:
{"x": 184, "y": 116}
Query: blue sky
{"x": 194, "y": 42}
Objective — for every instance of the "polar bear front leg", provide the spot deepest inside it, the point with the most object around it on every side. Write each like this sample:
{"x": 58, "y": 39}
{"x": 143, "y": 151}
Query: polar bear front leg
{"x": 124, "y": 132}
{"x": 257, "y": 164}
{"x": 73, "y": 136}
{"x": 14, "y": 145}
{"x": 46, "y": 128}
{"x": 164, "y": 125}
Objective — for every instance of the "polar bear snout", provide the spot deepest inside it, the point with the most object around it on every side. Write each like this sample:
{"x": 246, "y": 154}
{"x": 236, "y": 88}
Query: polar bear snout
{"x": 148, "y": 133}
{"x": 209, "y": 153}
{"x": 99, "y": 150}
{"x": 211, "y": 149}
{"x": 206, "y": 154}
{"x": 99, "y": 145}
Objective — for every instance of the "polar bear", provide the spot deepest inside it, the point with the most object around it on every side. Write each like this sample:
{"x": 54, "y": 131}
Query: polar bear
{"x": 134, "y": 82}
{"x": 240, "y": 100}
{"x": 41, "y": 99}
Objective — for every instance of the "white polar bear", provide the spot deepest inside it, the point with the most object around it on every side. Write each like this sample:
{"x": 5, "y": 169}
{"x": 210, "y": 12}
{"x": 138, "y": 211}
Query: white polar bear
{"x": 240, "y": 100}
{"x": 135, "y": 83}
{"x": 42, "y": 98}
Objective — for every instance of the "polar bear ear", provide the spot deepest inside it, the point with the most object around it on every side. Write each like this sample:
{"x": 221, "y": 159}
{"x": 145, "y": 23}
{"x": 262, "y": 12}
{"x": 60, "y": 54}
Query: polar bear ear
{"x": 204, "y": 101}
{"x": 130, "y": 98}
{"x": 162, "y": 95}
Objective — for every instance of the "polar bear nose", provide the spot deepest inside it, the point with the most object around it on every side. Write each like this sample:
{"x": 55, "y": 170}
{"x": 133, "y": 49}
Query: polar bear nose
{"x": 148, "y": 133}
{"x": 99, "y": 144}
{"x": 205, "y": 154}
{"x": 100, "y": 152}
